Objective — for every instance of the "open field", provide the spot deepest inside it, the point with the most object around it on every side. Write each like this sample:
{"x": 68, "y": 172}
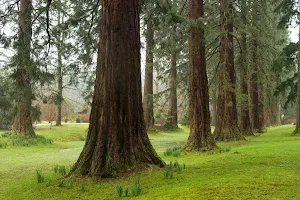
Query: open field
{"x": 264, "y": 167}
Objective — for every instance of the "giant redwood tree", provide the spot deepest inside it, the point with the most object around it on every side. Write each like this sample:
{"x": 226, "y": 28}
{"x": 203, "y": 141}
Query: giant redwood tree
{"x": 200, "y": 137}
{"x": 148, "y": 85}
{"x": 245, "y": 123}
{"x": 117, "y": 140}
{"x": 24, "y": 72}
{"x": 227, "y": 122}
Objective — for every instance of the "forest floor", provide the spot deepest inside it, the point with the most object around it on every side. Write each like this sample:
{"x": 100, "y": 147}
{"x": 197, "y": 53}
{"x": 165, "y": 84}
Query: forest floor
{"x": 265, "y": 167}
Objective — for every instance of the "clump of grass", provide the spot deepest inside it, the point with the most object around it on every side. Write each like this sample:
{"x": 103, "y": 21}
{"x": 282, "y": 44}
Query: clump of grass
{"x": 119, "y": 190}
{"x": 220, "y": 150}
{"x": 136, "y": 189}
{"x": 61, "y": 169}
{"x": 82, "y": 187}
{"x": 40, "y": 177}
{"x": 3, "y": 145}
{"x": 175, "y": 151}
{"x": 173, "y": 167}
{"x": 21, "y": 140}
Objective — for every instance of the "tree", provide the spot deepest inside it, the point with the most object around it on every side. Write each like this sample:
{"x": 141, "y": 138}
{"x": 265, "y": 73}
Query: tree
{"x": 200, "y": 137}
{"x": 245, "y": 123}
{"x": 24, "y": 72}
{"x": 172, "y": 120}
{"x": 148, "y": 85}
{"x": 227, "y": 122}
{"x": 117, "y": 140}
{"x": 297, "y": 128}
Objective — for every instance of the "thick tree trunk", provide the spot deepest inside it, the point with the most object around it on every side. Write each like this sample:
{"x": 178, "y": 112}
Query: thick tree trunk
{"x": 23, "y": 120}
{"x": 254, "y": 79}
{"x": 59, "y": 75}
{"x": 297, "y": 129}
{"x": 200, "y": 138}
{"x": 172, "y": 121}
{"x": 227, "y": 122}
{"x": 117, "y": 140}
{"x": 245, "y": 123}
{"x": 148, "y": 85}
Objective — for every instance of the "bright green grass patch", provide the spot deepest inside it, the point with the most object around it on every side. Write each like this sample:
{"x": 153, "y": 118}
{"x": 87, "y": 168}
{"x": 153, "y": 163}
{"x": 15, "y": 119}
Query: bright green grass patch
{"x": 264, "y": 167}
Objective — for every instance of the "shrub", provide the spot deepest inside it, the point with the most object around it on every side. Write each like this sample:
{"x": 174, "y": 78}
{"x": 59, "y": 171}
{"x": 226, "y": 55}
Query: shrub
{"x": 78, "y": 120}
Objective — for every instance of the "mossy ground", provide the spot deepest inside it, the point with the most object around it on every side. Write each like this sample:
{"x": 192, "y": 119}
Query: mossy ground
{"x": 264, "y": 167}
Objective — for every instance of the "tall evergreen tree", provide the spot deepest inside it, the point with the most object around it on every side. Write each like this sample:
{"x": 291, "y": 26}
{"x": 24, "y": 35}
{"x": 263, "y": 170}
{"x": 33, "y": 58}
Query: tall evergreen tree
{"x": 24, "y": 72}
{"x": 117, "y": 140}
{"x": 200, "y": 137}
{"x": 148, "y": 84}
{"x": 245, "y": 123}
{"x": 227, "y": 122}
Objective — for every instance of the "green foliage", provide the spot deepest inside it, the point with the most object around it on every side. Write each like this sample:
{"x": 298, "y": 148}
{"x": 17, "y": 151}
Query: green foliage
{"x": 173, "y": 167}
{"x": 21, "y": 140}
{"x": 119, "y": 190}
{"x": 175, "y": 151}
{"x": 83, "y": 187}
{"x": 219, "y": 150}
{"x": 61, "y": 169}
{"x": 40, "y": 177}
{"x": 78, "y": 120}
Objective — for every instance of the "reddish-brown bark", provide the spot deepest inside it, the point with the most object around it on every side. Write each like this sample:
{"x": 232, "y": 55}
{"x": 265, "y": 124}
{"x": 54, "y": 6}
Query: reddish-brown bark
{"x": 200, "y": 138}
{"x": 117, "y": 140}
{"x": 148, "y": 85}
{"x": 245, "y": 123}
{"x": 23, "y": 76}
{"x": 227, "y": 123}
{"x": 172, "y": 120}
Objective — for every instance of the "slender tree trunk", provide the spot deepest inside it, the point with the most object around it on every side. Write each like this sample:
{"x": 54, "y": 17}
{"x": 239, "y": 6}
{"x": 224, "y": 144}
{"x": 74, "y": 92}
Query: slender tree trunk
{"x": 297, "y": 129}
{"x": 227, "y": 122}
{"x": 59, "y": 74}
{"x": 117, "y": 140}
{"x": 148, "y": 85}
{"x": 200, "y": 138}
{"x": 261, "y": 104}
{"x": 172, "y": 121}
{"x": 214, "y": 108}
{"x": 23, "y": 120}
{"x": 245, "y": 124}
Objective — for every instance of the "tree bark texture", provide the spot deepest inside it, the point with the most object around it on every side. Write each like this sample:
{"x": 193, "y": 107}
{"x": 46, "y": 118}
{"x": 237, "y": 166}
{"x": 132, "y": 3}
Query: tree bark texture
{"x": 172, "y": 121}
{"x": 245, "y": 123}
{"x": 227, "y": 122}
{"x": 59, "y": 75}
{"x": 297, "y": 128}
{"x": 23, "y": 121}
{"x": 200, "y": 138}
{"x": 117, "y": 140}
{"x": 148, "y": 85}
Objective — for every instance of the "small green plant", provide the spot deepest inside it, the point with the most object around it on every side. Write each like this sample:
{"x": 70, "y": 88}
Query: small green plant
{"x": 126, "y": 192}
{"x": 136, "y": 190}
{"x": 175, "y": 151}
{"x": 3, "y": 145}
{"x": 40, "y": 177}
{"x": 119, "y": 190}
{"x": 83, "y": 187}
{"x": 171, "y": 168}
{"x": 61, "y": 169}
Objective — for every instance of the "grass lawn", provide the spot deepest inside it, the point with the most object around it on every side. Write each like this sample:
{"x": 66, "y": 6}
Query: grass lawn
{"x": 264, "y": 167}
